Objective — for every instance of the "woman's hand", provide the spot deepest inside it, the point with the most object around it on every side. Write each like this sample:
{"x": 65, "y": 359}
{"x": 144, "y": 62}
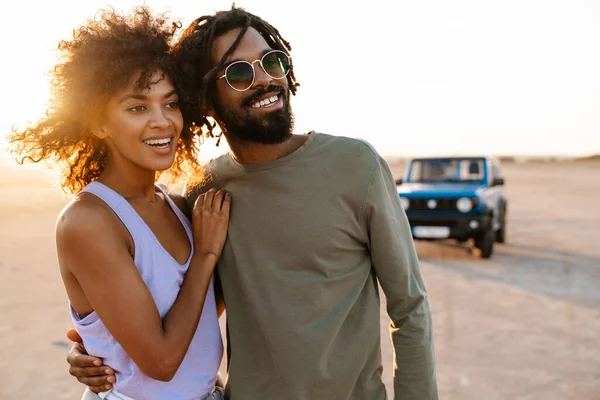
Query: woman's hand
{"x": 210, "y": 220}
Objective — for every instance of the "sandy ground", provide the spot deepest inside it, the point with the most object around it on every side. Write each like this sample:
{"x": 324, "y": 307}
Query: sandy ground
{"x": 523, "y": 325}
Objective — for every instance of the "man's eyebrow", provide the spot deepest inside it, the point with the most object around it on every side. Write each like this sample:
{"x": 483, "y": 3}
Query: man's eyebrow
{"x": 262, "y": 53}
{"x": 138, "y": 96}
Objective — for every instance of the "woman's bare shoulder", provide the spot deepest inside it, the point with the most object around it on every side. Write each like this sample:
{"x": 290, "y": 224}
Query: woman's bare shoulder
{"x": 88, "y": 215}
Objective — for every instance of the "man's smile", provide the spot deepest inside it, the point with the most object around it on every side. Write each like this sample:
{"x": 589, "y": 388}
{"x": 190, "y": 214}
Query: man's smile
{"x": 268, "y": 101}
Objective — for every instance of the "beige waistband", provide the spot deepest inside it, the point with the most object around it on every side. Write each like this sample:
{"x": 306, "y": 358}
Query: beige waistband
{"x": 216, "y": 394}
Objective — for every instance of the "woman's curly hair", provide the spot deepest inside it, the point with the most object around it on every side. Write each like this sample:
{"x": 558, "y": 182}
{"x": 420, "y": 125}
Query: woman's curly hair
{"x": 102, "y": 56}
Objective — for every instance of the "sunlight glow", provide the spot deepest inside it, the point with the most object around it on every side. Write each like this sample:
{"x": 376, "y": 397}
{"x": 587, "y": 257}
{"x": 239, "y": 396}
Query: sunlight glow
{"x": 412, "y": 78}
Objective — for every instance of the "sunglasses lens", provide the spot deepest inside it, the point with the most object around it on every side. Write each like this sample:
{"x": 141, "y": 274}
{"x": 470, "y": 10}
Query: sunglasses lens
{"x": 276, "y": 64}
{"x": 239, "y": 75}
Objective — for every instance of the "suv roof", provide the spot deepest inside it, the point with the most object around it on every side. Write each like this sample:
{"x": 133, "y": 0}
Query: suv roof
{"x": 454, "y": 157}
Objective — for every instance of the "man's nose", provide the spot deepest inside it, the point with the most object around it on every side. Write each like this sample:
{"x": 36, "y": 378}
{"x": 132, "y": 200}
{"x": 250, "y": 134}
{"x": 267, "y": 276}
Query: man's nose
{"x": 261, "y": 78}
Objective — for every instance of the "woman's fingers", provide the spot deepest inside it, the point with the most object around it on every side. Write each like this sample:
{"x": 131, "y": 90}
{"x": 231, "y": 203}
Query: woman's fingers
{"x": 208, "y": 199}
{"x": 218, "y": 201}
{"x": 226, "y": 204}
{"x": 199, "y": 204}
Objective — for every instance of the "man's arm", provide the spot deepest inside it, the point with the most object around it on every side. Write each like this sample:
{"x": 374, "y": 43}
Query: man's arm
{"x": 396, "y": 265}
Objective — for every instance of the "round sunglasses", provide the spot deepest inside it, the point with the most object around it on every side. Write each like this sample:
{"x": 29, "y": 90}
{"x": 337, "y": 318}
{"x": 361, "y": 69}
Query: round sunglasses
{"x": 240, "y": 74}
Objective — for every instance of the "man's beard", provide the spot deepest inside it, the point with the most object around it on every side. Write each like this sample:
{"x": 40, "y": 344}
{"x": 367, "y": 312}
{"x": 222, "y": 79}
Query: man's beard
{"x": 272, "y": 128}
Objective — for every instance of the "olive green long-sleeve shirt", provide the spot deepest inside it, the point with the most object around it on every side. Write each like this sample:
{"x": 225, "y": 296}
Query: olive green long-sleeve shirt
{"x": 310, "y": 236}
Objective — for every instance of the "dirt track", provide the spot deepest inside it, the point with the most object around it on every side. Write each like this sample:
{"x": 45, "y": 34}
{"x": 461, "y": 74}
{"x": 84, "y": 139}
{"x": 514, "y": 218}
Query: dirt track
{"x": 523, "y": 325}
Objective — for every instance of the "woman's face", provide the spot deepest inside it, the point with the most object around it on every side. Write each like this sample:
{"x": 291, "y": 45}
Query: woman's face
{"x": 142, "y": 128}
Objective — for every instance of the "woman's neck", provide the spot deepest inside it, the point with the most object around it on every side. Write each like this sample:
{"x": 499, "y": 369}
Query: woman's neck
{"x": 130, "y": 181}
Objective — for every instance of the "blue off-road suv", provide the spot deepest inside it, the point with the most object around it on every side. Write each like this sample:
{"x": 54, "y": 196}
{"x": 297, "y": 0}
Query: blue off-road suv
{"x": 455, "y": 197}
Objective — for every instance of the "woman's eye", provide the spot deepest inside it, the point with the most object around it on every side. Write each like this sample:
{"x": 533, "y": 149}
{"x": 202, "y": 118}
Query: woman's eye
{"x": 173, "y": 104}
{"x": 137, "y": 109}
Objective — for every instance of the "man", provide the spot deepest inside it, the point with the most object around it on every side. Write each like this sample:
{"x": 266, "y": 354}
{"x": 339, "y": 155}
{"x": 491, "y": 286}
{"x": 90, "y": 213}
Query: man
{"x": 316, "y": 222}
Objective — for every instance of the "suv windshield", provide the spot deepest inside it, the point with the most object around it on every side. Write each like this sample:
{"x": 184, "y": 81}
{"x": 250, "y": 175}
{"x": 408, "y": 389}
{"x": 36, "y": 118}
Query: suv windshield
{"x": 447, "y": 170}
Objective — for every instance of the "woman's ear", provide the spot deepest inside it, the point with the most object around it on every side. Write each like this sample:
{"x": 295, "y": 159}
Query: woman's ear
{"x": 94, "y": 120}
{"x": 97, "y": 129}
{"x": 99, "y": 132}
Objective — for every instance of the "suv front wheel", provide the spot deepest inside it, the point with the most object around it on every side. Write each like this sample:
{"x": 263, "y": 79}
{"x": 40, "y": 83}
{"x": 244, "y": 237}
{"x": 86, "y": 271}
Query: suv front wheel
{"x": 501, "y": 233}
{"x": 485, "y": 243}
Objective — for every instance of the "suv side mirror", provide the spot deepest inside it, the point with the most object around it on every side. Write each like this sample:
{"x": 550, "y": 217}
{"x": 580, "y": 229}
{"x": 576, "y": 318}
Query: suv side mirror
{"x": 498, "y": 182}
{"x": 398, "y": 181}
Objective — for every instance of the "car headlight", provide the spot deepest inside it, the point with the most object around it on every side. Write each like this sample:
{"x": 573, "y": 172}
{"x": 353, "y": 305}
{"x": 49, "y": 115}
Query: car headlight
{"x": 405, "y": 202}
{"x": 464, "y": 204}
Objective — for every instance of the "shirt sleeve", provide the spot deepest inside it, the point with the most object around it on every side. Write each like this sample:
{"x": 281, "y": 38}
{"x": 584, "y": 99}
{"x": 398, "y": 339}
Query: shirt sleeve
{"x": 396, "y": 265}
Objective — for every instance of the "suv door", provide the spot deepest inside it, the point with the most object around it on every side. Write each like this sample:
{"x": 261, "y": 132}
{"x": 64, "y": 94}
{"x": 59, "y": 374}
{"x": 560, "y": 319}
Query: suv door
{"x": 497, "y": 195}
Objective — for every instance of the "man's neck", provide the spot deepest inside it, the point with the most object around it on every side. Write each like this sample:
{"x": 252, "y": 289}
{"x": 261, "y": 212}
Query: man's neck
{"x": 256, "y": 153}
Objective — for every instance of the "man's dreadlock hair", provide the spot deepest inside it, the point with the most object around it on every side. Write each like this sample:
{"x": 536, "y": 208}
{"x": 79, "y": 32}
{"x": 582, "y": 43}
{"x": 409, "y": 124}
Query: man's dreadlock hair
{"x": 193, "y": 53}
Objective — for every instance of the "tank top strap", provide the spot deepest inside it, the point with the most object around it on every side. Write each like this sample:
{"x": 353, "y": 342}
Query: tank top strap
{"x": 118, "y": 204}
{"x": 180, "y": 214}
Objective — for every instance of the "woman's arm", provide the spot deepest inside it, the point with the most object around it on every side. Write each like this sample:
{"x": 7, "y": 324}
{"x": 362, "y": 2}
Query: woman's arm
{"x": 92, "y": 250}
{"x": 180, "y": 202}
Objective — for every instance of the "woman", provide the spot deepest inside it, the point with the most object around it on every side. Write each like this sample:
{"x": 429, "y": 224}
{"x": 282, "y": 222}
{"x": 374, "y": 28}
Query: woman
{"x": 138, "y": 275}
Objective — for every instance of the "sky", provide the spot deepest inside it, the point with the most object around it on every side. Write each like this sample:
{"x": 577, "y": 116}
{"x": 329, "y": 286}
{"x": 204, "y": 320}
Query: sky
{"x": 412, "y": 78}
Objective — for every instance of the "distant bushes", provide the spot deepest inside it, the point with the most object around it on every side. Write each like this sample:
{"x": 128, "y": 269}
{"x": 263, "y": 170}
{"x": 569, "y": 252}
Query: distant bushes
{"x": 593, "y": 157}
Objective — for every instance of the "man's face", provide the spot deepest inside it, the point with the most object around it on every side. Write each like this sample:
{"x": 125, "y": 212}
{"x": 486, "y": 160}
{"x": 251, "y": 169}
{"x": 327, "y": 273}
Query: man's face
{"x": 239, "y": 113}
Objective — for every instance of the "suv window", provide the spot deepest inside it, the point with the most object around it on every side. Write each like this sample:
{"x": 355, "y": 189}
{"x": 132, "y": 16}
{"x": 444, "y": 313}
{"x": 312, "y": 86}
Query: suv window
{"x": 447, "y": 170}
{"x": 495, "y": 171}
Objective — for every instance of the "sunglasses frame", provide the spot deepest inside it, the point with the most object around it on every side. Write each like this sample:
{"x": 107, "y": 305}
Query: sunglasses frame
{"x": 260, "y": 61}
